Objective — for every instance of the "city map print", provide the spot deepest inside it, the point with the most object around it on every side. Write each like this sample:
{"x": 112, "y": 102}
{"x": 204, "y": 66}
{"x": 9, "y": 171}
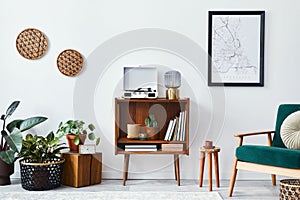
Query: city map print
{"x": 235, "y": 49}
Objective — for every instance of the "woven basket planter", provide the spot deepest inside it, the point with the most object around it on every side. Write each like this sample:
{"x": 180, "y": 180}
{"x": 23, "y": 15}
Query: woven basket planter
{"x": 41, "y": 176}
{"x": 290, "y": 189}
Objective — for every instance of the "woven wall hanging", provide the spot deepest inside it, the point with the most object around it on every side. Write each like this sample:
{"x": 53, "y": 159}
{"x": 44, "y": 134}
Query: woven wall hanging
{"x": 70, "y": 62}
{"x": 31, "y": 44}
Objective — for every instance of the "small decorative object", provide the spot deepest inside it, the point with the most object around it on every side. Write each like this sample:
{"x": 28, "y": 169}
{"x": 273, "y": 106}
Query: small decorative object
{"x": 236, "y": 48}
{"x": 41, "y": 166}
{"x": 11, "y": 141}
{"x": 31, "y": 44}
{"x": 143, "y": 136}
{"x": 151, "y": 127}
{"x": 133, "y": 131}
{"x": 76, "y": 133}
{"x": 87, "y": 148}
{"x": 70, "y": 62}
{"x": 289, "y": 189}
{"x": 172, "y": 83}
{"x": 209, "y": 144}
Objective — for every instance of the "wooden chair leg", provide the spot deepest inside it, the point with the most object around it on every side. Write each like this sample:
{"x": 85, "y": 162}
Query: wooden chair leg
{"x": 273, "y": 179}
{"x": 202, "y": 162}
{"x": 233, "y": 177}
{"x": 216, "y": 163}
{"x": 125, "y": 172}
{"x": 209, "y": 155}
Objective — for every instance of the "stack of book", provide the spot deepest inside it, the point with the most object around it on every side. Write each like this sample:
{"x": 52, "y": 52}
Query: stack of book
{"x": 176, "y": 128}
{"x": 139, "y": 147}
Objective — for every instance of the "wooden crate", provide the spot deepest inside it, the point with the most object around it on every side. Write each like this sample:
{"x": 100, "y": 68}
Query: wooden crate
{"x": 82, "y": 169}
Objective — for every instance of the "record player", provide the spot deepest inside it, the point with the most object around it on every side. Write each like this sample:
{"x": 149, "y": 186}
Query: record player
{"x": 140, "y": 82}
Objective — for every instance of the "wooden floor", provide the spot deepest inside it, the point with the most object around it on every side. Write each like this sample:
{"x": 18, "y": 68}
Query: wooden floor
{"x": 251, "y": 190}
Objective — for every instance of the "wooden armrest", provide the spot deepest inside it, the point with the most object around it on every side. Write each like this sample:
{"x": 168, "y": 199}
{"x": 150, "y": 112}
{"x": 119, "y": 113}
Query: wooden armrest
{"x": 253, "y": 133}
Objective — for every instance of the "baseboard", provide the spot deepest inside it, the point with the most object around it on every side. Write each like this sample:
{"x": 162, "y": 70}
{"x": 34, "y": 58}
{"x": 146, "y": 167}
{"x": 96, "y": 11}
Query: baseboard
{"x": 241, "y": 175}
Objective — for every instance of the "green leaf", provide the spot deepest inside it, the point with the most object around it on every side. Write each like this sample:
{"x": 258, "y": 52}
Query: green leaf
{"x": 66, "y": 130}
{"x": 84, "y": 132}
{"x": 14, "y": 140}
{"x": 76, "y": 141}
{"x": 54, "y": 141}
{"x": 60, "y": 124}
{"x": 11, "y": 108}
{"x": 91, "y": 136}
{"x": 8, "y": 156}
{"x": 97, "y": 141}
{"x": 29, "y": 137}
{"x": 10, "y": 127}
{"x": 30, "y": 122}
{"x": 50, "y": 136}
{"x": 91, "y": 127}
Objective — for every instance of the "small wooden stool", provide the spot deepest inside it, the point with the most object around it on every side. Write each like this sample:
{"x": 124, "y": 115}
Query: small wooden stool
{"x": 209, "y": 152}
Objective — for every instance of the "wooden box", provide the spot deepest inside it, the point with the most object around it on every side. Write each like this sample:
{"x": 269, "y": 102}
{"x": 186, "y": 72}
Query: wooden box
{"x": 82, "y": 169}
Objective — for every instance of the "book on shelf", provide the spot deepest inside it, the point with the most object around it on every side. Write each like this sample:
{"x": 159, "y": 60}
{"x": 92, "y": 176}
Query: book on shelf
{"x": 182, "y": 136}
{"x": 176, "y": 128}
{"x": 168, "y": 130}
{"x": 175, "y": 121}
{"x": 179, "y": 127}
{"x": 141, "y": 147}
{"x": 172, "y": 147}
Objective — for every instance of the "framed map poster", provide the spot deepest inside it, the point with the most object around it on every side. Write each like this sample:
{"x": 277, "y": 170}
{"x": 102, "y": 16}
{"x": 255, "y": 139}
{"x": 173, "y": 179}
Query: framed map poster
{"x": 236, "y": 48}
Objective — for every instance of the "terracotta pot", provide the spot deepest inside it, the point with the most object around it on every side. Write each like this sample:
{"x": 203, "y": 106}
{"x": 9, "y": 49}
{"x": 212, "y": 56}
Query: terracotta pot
{"x": 152, "y": 133}
{"x": 73, "y": 147}
{"x": 5, "y": 171}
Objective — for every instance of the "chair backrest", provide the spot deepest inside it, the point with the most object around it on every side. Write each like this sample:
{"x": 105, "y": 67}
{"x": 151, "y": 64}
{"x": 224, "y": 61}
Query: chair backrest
{"x": 284, "y": 110}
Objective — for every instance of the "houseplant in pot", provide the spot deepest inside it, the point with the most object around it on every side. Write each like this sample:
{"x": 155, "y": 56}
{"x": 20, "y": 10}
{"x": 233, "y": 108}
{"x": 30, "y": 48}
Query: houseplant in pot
{"x": 41, "y": 165}
{"x": 11, "y": 140}
{"x": 76, "y": 133}
{"x": 151, "y": 127}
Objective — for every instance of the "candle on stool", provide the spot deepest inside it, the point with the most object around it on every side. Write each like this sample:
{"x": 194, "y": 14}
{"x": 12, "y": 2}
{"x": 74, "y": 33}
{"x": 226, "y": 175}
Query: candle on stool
{"x": 208, "y": 144}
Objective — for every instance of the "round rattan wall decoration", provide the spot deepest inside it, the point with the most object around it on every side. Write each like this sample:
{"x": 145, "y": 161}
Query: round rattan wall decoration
{"x": 70, "y": 62}
{"x": 31, "y": 44}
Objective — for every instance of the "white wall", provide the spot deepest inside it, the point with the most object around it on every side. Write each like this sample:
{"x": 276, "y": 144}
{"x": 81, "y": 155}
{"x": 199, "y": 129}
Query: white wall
{"x": 85, "y": 25}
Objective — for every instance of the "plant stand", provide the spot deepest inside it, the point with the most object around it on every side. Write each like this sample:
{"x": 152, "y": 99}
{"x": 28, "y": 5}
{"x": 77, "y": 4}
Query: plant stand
{"x": 82, "y": 169}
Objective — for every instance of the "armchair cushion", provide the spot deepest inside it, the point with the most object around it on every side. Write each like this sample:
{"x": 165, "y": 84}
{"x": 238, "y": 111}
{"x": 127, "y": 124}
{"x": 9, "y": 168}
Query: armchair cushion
{"x": 284, "y": 110}
{"x": 290, "y": 131}
{"x": 266, "y": 155}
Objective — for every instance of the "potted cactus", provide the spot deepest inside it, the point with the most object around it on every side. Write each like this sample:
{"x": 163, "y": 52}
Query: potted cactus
{"x": 151, "y": 128}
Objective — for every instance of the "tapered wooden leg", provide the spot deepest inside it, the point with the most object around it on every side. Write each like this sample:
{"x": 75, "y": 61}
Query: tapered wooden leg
{"x": 233, "y": 177}
{"x": 125, "y": 172}
{"x": 202, "y": 162}
{"x": 175, "y": 169}
{"x": 176, "y": 161}
{"x": 209, "y": 155}
{"x": 273, "y": 179}
{"x": 216, "y": 163}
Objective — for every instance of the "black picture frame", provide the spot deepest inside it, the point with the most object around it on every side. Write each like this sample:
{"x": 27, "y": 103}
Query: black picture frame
{"x": 236, "y": 48}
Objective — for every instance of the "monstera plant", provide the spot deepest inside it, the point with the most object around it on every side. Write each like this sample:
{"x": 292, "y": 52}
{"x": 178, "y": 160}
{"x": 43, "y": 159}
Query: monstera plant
{"x": 11, "y": 140}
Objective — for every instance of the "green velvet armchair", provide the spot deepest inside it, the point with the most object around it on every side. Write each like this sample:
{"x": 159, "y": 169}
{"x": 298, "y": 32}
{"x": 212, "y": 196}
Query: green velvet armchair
{"x": 274, "y": 159}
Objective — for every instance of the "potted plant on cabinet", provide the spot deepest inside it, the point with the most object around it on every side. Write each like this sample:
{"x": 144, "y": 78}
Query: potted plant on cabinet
{"x": 11, "y": 141}
{"x": 151, "y": 127}
{"x": 76, "y": 133}
{"x": 41, "y": 165}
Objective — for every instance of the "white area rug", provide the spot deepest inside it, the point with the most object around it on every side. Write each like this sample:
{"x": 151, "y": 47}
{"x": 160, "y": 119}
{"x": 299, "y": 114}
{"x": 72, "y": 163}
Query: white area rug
{"x": 110, "y": 195}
